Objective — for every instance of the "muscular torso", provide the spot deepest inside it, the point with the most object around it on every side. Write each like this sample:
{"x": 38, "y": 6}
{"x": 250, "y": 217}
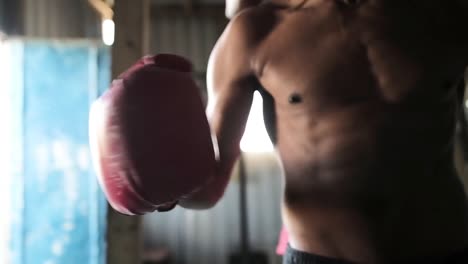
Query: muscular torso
{"x": 363, "y": 104}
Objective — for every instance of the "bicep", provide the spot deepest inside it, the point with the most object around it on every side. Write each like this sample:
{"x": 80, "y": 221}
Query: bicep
{"x": 229, "y": 102}
{"x": 231, "y": 83}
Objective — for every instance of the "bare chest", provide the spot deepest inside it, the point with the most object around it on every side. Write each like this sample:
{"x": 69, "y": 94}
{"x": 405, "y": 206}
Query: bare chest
{"x": 335, "y": 55}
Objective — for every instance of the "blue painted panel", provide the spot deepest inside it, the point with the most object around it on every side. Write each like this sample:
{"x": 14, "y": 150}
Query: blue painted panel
{"x": 63, "y": 211}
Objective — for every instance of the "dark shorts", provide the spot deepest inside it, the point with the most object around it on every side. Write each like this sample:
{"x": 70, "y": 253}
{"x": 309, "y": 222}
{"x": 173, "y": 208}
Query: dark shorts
{"x": 293, "y": 256}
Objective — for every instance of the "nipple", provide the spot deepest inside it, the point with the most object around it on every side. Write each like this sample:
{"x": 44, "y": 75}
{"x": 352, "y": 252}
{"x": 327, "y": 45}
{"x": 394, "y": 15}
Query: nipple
{"x": 295, "y": 98}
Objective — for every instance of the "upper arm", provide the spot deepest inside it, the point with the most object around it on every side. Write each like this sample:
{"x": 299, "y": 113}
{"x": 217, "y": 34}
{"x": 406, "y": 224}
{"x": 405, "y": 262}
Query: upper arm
{"x": 231, "y": 82}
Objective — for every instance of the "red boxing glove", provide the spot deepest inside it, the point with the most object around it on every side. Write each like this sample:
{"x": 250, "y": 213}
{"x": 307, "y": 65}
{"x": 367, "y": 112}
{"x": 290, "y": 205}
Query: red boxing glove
{"x": 149, "y": 136}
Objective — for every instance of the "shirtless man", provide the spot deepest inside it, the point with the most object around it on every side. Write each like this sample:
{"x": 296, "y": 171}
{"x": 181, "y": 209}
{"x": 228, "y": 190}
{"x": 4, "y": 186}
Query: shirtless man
{"x": 361, "y": 102}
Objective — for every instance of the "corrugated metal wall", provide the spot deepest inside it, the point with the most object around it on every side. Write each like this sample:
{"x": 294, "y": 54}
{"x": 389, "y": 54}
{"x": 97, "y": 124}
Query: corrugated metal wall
{"x": 2, "y": 15}
{"x": 60, "y": 19}
{"x": 10, "y": 16}
{"x": 192, "y": 36}
{"x": 198, "y": 237}
{"x": 211, "y": 236}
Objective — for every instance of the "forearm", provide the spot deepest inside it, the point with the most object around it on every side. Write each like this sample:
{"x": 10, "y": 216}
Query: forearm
{"x": 231, "y": 83}
{"x": 210, "y": 194}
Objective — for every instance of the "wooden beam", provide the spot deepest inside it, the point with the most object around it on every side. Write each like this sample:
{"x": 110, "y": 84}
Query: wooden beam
{"x": 131, "y": 17}
{"x": 132, "y": 23}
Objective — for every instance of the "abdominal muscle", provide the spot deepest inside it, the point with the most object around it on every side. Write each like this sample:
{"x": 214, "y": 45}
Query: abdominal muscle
{"x": 410, "y": 222}
{"x": 345, "y": 198}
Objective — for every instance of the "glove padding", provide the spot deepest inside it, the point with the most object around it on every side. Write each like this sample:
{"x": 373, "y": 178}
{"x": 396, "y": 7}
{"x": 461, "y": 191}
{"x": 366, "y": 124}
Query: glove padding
{"x": 149, "y": 136}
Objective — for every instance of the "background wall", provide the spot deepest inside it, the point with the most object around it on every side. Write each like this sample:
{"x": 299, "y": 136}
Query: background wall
{"x": 57, "y": 212}
{"x": 59, "y": 19}
{"x": 196, "y": 237}
{"x": 6, "y": 117}
{"x": 190, "y": 33}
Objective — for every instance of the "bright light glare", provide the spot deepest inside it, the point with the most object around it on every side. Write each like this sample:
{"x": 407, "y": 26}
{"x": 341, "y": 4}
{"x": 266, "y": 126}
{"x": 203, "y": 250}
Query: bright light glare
{"x": 255, "y": 137}
{"x": 5, "y": 170}
{"x": 108, "y": 32}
